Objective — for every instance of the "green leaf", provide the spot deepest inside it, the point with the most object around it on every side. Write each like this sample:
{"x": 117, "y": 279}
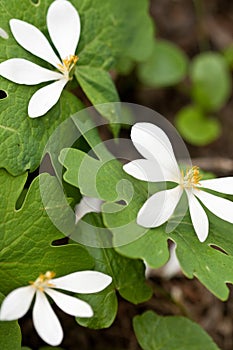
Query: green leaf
{"x": 140, "y": 31}
{"x": 125, "y": 65}
{"x": 104, "y": 305}
{"x": 107, "y": 181}
{"x": 211, "y": 81}
{"x": 211, "y": 266}
{"x": 23, "y": 139}
{"x": 10, "y": 334}
{"x": 27, "y": 234}
{"x": 151, "y": 247}
{"x": 166, "y": 66}
{"x": 110, "y": 33}
{"x": 128, "y": 276}
{"x": 197, "y": 128}
{"x": 107, "y": 33}
{"x": 128, "y": 279}
{"x": 99, "y": 88}
{"x": 156, "y": 332}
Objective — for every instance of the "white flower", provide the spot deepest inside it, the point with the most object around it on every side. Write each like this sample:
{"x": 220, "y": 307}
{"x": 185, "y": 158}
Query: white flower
{"x": 46, "y": 323}
{"x": 161, "y": 165}
{"x": 64, "y": 29}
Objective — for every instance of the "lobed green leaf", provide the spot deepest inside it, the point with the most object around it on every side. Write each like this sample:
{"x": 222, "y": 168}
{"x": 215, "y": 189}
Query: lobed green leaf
{"x": 27, "y": 234}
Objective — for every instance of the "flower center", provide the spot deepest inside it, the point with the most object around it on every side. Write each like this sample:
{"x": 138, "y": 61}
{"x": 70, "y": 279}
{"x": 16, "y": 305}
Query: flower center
{"x": 42, "y": 281}
{"x": 191, "y": 177}
{"x": 67, "y": 66}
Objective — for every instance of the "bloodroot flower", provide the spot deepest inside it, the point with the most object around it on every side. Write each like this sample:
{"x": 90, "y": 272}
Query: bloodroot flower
{"x": 47, "y": 325}
{"x": 160, "y": 165}
{"x": 64, "y": 29}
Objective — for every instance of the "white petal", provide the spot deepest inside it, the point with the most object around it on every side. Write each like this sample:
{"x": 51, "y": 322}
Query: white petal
{"x": 172, "y": 267}
{"x": 64, "y": 27}
{"x": 223, "y": 184}
{"x": 147, "y": 170}
{"x": 17, "y": 303}
{"x": 21, "y": 71}
{"x": 148, "y": 270}
{"x": 87, "y": 205}
{"x": 45, "y": 321}
{"x": 159, "y": 207}
{"x": 223, "y": 208}
{"x": 32, "y": 40}
{"x": 45, "y": 98}
{"x": 70, "y": 305}
{"x": 199, "y": 218}
{"x": 83, "y": 282}
{"x": 153, "y": 144}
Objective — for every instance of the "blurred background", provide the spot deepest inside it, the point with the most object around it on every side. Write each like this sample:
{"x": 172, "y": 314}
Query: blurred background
{"x": 188, "y": 78}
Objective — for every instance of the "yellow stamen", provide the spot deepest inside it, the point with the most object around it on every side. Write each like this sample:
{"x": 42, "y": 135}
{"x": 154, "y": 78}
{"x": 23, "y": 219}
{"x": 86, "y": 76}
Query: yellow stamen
{"x": 191, "y": 178}
{"x": 50, "y": 274}
{"x": 68, "y": 64}
{"x": 43, "y": 281}
{"x": 196, "y": 175}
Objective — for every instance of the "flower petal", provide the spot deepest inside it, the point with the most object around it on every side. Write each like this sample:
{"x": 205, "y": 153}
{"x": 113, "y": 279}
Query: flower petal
{"x": 64, "y": 27}
{"x": 21, "y": 71}
{"x": 17, "y": 303}
{"x": 45, "y": 98}
{"x": 87, "y": 205}
{"x": 222, "y": 184}
{"x": 70, "y": 305}
{"x": 223, "y": 208}
{"x": 172, "y": 267}
{"x": 199, "y": 218}
{"x": 159, "y": 207}
{"x": 45, "y": 321}
{"x": 147, "y": 170}
{"x": 153, "y": 144}
{"x": 83, "y": 282}
{"x": 32, "y": 40}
